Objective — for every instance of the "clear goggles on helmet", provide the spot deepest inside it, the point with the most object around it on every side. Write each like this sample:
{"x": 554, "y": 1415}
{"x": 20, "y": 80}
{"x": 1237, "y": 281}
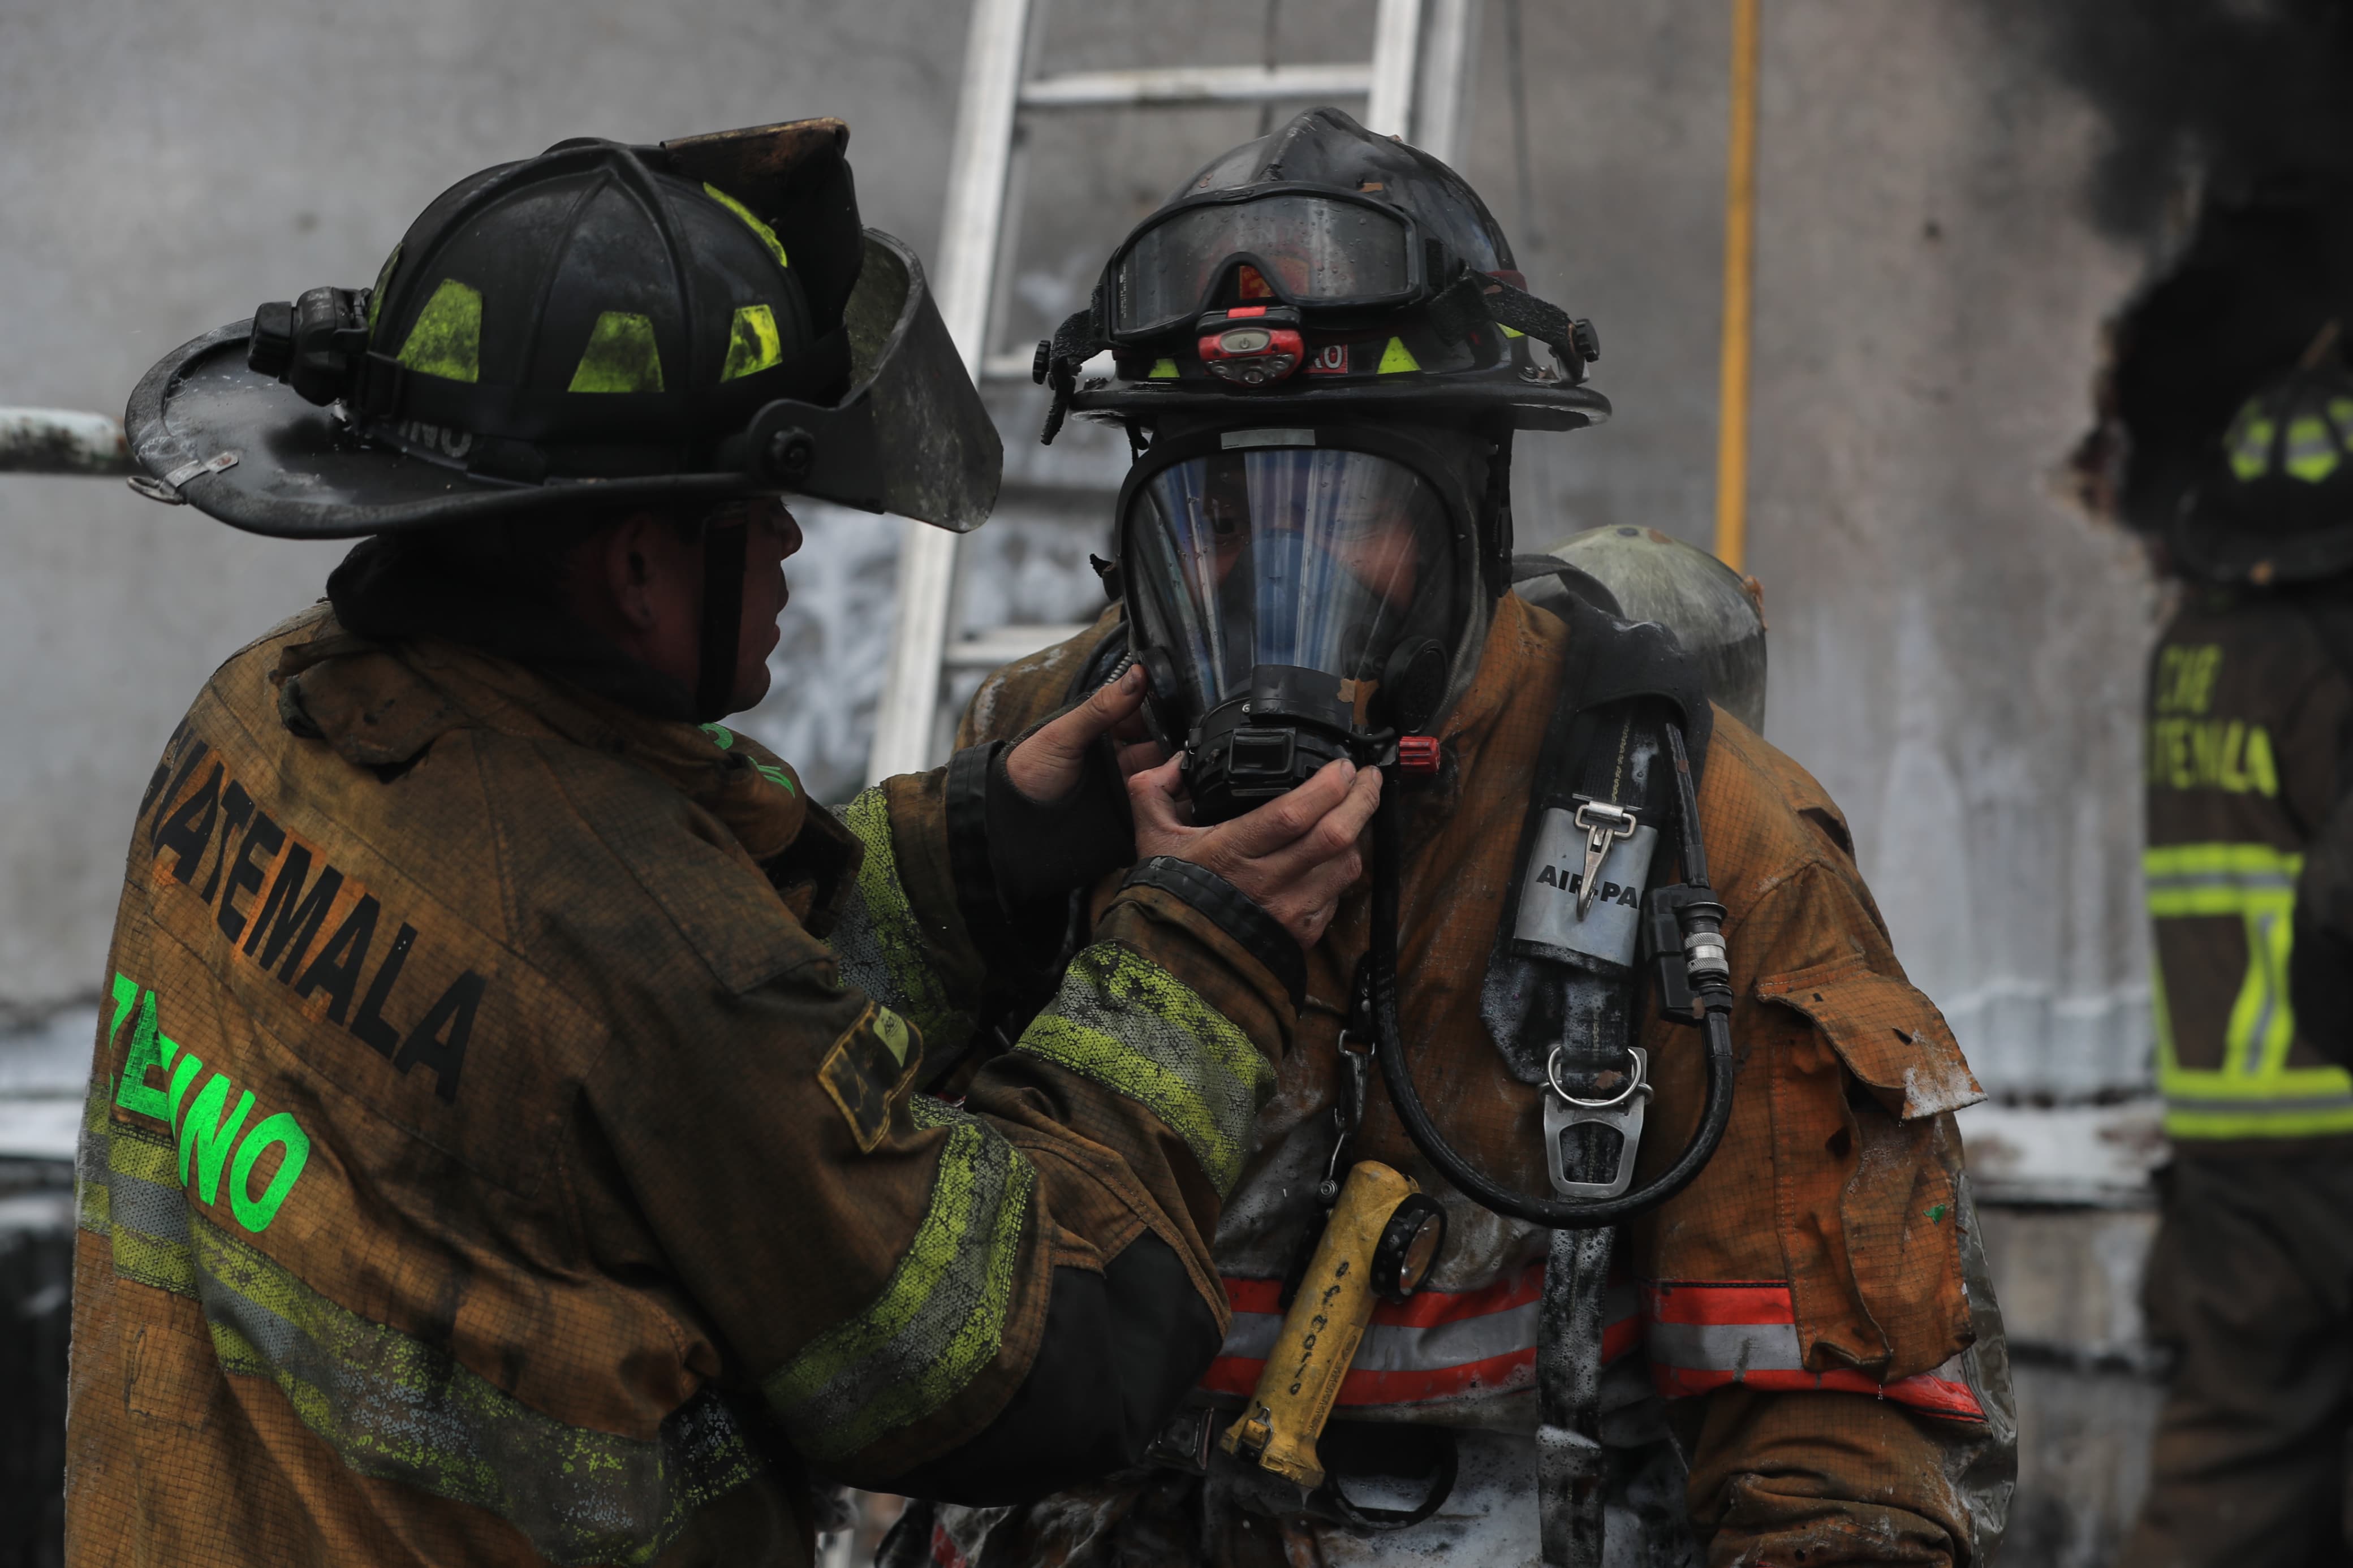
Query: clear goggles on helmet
{"x": 1312, "y": 247}
{"x": 1315, "y": 562}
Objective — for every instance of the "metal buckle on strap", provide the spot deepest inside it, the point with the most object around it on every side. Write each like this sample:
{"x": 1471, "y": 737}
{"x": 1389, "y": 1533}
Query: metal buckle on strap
{"x": 1622, "y": 1110}
{"x": 1605, "y": 823}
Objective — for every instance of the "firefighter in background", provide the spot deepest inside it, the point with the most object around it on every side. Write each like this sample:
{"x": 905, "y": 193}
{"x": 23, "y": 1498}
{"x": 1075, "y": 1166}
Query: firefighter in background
{"x": 1323, "y": 355}
{"x": 502, "y": 1144}
{"x": 2250, "y": 874}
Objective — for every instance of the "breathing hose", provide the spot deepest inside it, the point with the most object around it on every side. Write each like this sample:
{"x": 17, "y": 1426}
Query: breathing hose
{"x": 1712, "y": 994}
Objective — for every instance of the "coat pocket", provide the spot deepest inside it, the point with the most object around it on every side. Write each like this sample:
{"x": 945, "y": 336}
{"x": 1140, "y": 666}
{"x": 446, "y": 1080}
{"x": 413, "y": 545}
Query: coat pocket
{"x": 1890, "y": 1186}
{"x": 1889, "y": 1034}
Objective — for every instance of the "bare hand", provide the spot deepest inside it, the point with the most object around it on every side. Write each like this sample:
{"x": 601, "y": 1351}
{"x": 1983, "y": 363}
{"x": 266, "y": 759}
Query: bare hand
{"x": 1293, "y": 857}
{"x": 1049, "y": 764}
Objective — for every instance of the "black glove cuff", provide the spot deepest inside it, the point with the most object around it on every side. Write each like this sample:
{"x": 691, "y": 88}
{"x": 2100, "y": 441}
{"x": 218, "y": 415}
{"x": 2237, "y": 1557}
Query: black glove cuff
{"x": 1039, "y": 851}
{"x": 1233, "y": 912}
{"x": 966, "y": 805}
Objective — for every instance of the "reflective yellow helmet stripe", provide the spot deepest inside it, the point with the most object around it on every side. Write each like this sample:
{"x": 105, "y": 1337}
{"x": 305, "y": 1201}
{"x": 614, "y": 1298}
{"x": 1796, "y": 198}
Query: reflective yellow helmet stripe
{"x": 768, "y": 235}
{"x": 621, "y": 357}
{"x": 753, "y": 343}
{"x": 447, "y": 340}
{"x": 376, "y": 295}
{"x": 2312, "y": 454}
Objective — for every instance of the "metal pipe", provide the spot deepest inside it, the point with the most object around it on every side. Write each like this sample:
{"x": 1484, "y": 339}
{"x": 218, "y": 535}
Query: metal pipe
{"x": 1739, "y": 304}
{"x": 1397, "y": 37}
{"x": 1197, "y": 84}
{"x": 62, "y": 441}
{"x": 1446, "y": 69}
{"x": 994, "y": 48}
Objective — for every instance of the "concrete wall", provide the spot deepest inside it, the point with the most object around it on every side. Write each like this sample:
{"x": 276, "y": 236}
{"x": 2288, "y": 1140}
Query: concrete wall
{"x": 1956, "y": 652}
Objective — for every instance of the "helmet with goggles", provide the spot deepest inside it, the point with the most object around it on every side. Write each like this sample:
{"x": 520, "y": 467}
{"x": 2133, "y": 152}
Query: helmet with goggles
{"x": 1322, "y": 352}
{"x": 1320, "y": 264}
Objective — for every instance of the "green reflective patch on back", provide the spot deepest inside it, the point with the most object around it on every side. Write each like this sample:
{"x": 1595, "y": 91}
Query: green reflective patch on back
{"x": 447, "y": 340}
{"x": 621, "y": 357}
{"x": 376, "y": 295}
{"x": 1396, "y": 357}
{"x": 753, "y": 344}
{"x": 1162, "y": 370}
{"x": 768, "y": 235}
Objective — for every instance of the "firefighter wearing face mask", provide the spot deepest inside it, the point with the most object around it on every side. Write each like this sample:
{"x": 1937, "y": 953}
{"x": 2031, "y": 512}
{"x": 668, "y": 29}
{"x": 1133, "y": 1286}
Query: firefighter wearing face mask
{"x": 505, "y": 1141}
{"x": 1674, "y": 1318}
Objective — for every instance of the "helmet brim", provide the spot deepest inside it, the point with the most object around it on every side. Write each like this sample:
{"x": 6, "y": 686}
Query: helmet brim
{"x": 910, "y": 438}
{"x": 2219, "y": 546}
{"x": 299, "y": 476}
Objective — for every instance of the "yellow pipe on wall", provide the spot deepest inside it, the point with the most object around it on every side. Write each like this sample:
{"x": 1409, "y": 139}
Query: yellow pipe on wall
{"x": 1739, "y": 275}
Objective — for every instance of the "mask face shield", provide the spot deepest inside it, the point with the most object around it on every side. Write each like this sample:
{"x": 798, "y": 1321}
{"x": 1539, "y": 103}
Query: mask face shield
{"x": 1293, "y": 604}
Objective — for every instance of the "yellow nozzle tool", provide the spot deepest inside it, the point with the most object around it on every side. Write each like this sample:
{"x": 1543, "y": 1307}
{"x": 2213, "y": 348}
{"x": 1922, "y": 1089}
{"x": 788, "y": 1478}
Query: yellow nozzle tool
{"x": 1382, "y": 1238}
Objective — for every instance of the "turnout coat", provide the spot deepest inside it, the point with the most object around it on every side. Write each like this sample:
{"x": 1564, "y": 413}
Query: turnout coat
{"x": 501, "y": 1145}
{"x": 1813, "y": 1310}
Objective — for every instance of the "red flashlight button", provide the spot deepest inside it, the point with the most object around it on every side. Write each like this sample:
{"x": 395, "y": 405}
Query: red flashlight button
{"x": 1417, "y": 757}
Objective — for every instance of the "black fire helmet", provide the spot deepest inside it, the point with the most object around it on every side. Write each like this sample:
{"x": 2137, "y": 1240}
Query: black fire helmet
{"x": 2277, "y": 502}
{"x": 600, "y": 325}
{"x": 1317, "y": 265}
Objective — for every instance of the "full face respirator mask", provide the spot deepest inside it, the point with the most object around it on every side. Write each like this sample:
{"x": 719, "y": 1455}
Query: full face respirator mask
{"x": 1297, "y": 597}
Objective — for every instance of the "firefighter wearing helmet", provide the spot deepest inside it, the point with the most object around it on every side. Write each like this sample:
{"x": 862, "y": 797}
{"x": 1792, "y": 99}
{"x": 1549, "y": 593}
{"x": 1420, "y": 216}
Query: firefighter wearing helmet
{"x": 506, "y": 1141}
{"x": 1659, "y": 1316}
{"x": 2249, "y": 876}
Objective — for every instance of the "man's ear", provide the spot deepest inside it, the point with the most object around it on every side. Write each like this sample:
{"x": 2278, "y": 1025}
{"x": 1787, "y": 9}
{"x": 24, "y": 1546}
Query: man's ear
{"x": 629, "y": 565}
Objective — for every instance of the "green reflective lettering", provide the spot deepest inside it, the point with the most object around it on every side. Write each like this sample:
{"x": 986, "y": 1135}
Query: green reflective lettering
{"x": 183, "y": 1077}
{"x": 149, "y": 1049}
{"x": 256, "y": 1212}
{"x": 208, "y": 1134}
{"x": 2262, "y": 770}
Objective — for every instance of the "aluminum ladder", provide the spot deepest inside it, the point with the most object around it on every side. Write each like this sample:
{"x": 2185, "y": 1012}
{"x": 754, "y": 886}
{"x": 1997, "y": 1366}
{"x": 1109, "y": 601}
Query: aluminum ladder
{"x": 1412, "y": 87}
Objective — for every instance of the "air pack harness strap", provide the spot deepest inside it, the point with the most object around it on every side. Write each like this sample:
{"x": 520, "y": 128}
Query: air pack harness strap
{"x": 1560, "y": 1002}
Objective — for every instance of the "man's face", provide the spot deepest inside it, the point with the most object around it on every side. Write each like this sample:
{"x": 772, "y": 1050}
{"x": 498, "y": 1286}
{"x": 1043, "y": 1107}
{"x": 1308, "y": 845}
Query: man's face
{"x": 639, "y": 582}
{"x": 1373, "y": 540}
{"x": 771, "y": 534}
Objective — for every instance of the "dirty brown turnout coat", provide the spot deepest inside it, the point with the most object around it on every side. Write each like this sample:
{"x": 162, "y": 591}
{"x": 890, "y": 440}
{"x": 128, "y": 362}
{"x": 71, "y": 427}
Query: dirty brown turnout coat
{"x": 487, "y": 1161}
{"x": 1813, "y": 1308}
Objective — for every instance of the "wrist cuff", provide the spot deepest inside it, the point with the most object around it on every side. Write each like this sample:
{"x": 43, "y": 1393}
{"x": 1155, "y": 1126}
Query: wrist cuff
{"x": 1233, "y": 912}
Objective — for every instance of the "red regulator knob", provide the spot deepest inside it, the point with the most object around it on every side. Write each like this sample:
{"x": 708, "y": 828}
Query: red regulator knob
{"x": 1417, "y": 757}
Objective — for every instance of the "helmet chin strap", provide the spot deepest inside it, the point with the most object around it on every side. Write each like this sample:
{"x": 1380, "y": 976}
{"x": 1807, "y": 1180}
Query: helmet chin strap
{"x": 725, "y": 539}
